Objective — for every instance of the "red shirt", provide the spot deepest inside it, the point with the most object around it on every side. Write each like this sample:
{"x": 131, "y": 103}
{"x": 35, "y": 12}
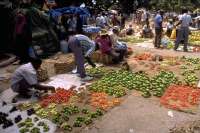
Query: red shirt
{"x": 104, "y": 43}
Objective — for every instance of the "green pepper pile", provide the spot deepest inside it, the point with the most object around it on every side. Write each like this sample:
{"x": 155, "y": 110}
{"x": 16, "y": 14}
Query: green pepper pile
{"x": 162, "y": 81}
{"x": 190, "y": 77}
{"x": 97, "y": 72}
{"x": 28, "y": 126}
{"x": 84, "y": 117}
{"x": 115, "y": 83}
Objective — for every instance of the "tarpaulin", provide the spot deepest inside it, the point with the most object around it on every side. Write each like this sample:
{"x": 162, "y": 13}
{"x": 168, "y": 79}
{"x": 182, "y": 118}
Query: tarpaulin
{"x": 55, "y": 13}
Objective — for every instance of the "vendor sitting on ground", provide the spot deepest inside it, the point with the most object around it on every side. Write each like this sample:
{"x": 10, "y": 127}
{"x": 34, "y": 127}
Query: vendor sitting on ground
{"x": 25, "y": 78}
{"x": 83, "y": 48}
{"x": 105, "y": 44}
{"x": 146, "y": 31}
{"x": 119, "y": 47}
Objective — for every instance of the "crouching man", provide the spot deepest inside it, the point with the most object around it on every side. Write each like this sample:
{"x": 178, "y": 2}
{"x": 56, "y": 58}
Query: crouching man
{"x": 25, "y": 78}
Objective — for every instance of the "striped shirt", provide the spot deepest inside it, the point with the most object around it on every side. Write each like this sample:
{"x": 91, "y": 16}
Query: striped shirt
{"x": 87, "y": 44}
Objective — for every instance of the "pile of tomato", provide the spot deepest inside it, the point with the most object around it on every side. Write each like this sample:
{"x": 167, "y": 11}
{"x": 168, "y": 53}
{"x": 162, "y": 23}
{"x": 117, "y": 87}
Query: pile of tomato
{"x": 61, "y": 96}
{"x": 180, "y": 97}
{"x": 101, "y": 100}
{"x": 143, "y": 56}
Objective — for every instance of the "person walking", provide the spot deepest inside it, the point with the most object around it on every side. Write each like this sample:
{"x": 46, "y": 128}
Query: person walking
{"x": 158, "y": 20}
{"x": 183, "y": 33}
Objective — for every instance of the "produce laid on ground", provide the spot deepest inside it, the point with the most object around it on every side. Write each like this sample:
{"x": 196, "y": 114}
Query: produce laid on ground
{"x": 161, "y": 81}
{"x": 143, "y": 56}
{"x": 4, "y": 121}
{"x": 101, "y": 100}
{"x": 190, "y": 71}
{"x": 61, "y": 96}
{"x": 184, "y": 98}
{"x": 194, "y": 38}
{"x": 68, "y": 117}
{"x": 123, "y": 80}
{"x": 98, "y": 71}
{"x": 132, "y": 39}
{"x": 33, "y": 126}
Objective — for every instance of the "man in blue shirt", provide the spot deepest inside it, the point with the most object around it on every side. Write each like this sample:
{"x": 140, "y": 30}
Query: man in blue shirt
{"x": 185, "y": 21}
{"x": 158, "y": 28}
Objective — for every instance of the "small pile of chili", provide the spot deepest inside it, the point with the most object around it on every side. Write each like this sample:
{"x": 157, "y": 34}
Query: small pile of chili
{"x": 61, "y": 96}
{"x": 180, "y": 97}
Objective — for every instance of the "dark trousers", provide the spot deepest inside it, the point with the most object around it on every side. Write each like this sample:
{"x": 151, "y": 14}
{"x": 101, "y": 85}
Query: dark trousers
{"x": 158, "y": 36}
{"x": 182, "y": 35}
{"x": 22, "y": 87}
{"x": 75, "y": 47}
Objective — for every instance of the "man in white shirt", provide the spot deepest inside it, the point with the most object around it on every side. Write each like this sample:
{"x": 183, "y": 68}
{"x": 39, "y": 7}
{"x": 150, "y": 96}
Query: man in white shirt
{"x": 183, "y": 33}
{"x": 25, "y": 78}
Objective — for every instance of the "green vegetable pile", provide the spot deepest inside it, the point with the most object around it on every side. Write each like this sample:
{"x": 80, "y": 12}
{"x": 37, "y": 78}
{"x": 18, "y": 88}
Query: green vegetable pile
{"x": 138, "y": 81}
{"x": 84, "y": 117}
{"x": 115, "y": 83}
{"x": 189, "y": 73}
{"x": 162, "y": 81}
{"x": 28, "y": 126}
{"x": 98, "y": 72}
{"x": 193, "y": 60}
{"x": 190, "y": 77}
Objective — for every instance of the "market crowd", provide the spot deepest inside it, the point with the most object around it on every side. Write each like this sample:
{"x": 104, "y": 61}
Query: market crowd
{"x": 82, "y": 36}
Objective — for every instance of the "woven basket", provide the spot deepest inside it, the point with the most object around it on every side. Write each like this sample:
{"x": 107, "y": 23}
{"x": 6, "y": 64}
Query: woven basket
{"x": 63, "y": 67}
{"x": 42, "y": 75}
{"x": 101, "y": 58}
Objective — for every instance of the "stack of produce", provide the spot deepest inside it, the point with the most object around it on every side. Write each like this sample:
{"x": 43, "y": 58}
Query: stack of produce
{"x": 183, "y": 98}
{"x": 29, "y": 126}
{"x": 194, "y": 38}
{"x": 101, "y": 100}
{"x": 98, "y": 71}
{"x": 190, "y": 77}
{"x": 161, "y": 81}
{"x": 5, "y": 121}
{"x": 61, "y": 96}
{"x": 65, "y": 118}
{"x": 115, "y": 83}
{"x": 143, "y": 56}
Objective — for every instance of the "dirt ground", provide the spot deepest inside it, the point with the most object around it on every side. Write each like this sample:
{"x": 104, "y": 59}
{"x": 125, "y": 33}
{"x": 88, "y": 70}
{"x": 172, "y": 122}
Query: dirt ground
{"x": 139, "y": 115}
{"x": 136, "y": 114}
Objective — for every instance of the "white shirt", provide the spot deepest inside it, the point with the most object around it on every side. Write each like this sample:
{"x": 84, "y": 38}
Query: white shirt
{"x": 24, "y": 72}
{"x": 186, "y": 20}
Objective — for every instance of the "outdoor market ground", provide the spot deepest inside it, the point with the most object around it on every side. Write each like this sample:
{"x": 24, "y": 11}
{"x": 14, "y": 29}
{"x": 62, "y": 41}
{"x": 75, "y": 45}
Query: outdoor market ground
{"x": 135, "y": 114}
